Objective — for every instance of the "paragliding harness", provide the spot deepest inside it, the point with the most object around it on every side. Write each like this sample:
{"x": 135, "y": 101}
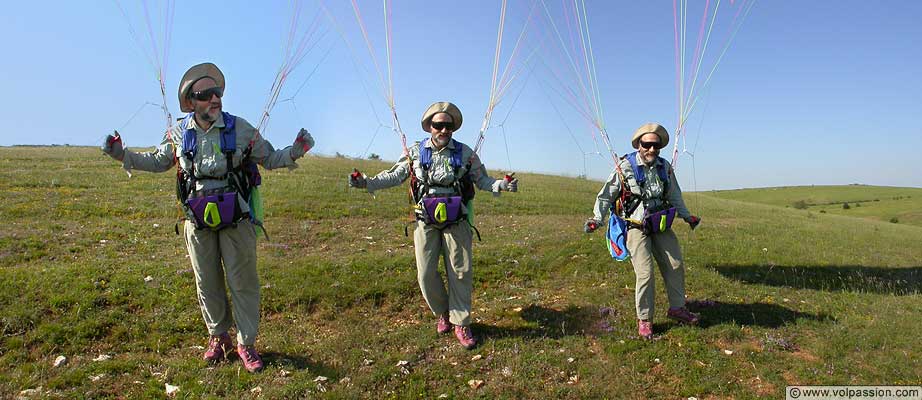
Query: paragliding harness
{"x": 220, "y": 208}
{"x": 653, "y": 221}
{"x": 434, "y": 209}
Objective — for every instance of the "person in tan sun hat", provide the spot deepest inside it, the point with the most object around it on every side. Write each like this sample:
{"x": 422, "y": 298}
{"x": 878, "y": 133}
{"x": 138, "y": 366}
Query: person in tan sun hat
{"x": 217, "y": 154}
{"x": 645, "y": 196}
{"x": 444, "y": 173}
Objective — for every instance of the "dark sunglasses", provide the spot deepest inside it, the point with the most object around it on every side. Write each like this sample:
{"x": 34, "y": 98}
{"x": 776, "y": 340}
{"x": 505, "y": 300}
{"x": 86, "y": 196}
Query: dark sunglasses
{"x": 649, "y": 145}
{"x": 442, "y": 125}
{"x": 206, "y": 94}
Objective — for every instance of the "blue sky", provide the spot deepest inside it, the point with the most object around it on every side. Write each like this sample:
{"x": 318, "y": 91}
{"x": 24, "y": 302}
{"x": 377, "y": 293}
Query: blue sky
{"x": 822, "y": 92}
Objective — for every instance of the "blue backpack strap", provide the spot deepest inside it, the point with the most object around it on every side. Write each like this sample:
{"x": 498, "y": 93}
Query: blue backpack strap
{"x": 662, "y": 171}
{"x": 189, "y": 143}
{"x": 639, "y": 176}
{"x": 229, "y": 133}
{"x": 456, "y": 155}
{"x": 425, "y": 155}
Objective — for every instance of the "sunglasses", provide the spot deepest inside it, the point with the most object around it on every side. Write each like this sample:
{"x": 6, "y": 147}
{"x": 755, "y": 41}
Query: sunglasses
{"x": 205, "y": 95}
{"x": 442, "y": 125}
{"x": 649, "y": 145}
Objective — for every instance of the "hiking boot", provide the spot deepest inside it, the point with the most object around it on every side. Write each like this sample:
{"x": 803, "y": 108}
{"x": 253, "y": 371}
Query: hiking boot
{"x": 250, "y": 358}
{"x": 218, "y": 346}
{"x": 645, "y": 329}
{"x": 444, "y": 325}
{"x": 683, "y": 315}
{"x": 465, "y": 337}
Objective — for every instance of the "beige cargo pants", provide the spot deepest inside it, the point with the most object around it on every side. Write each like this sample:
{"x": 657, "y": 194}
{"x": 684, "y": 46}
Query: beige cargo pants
{"x": 454, "y": 243}
{"x": 664, "y": 248}
{"x": 228, "y": 255}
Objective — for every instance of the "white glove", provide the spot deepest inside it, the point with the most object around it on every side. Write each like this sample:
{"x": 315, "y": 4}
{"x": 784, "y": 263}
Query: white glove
{"x": 508, "y": 184}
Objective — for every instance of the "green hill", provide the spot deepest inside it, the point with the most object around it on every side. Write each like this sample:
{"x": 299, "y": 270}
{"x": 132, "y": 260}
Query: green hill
{"x": 90, "y": 266}
{"x": 882, "y": 203}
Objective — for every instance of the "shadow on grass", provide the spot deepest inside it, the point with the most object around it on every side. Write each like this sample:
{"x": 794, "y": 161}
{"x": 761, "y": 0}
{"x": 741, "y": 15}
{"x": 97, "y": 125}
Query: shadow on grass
{"x": 551, "y": 323}
{"x": 298, "y": 362}
{"x": 895, "y": 281}
{"x": 764, "y": 315}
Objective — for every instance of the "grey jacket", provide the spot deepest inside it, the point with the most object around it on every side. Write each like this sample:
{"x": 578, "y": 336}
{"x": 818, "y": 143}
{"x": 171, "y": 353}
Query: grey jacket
{"x": 441, "y": 175}
{"x": 210, "y": 163}
{"x": 652, "y": 192}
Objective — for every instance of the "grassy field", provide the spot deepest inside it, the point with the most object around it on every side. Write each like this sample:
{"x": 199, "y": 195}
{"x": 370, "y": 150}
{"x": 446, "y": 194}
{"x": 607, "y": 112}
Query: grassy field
{"x": 90, "y": 267}
{"x": 882, "y": 203}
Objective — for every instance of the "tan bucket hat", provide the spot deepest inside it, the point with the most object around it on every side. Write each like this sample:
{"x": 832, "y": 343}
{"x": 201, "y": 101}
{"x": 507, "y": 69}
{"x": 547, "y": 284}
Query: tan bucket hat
{"x": 651, "y": 127}
{"x": 442, "y": 107}
{"x": 204, "y": 70}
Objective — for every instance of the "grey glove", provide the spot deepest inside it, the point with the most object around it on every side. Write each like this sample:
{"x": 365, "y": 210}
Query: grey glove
{"x": 357, "y": 179}
{"x": 693, "y": 221}
{"x": 113, "y": 146}
{"x": 591, "y": 225}
{"x": 303, "y": 143}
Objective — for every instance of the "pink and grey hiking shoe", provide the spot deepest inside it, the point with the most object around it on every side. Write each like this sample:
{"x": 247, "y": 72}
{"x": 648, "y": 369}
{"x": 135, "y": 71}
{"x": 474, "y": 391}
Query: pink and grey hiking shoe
{"x": 218, "y": 347}
{"x": 444, "y": 325}
{"x": 645, "y": 329}
{"x": 683, "y": 315}
{"x": 465, "y": 337}
{"x": 250, "y": 358}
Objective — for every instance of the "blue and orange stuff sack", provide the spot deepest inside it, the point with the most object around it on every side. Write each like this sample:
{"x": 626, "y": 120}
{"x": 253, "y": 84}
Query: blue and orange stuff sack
{"x": 616, "y": 238}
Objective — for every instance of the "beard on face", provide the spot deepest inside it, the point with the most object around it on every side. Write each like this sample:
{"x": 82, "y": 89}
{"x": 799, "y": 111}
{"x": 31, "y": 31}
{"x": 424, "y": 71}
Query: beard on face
{"x": 208, "y": 117}
{"x": 441, "y": 141}
{"x": 649, "y": 156}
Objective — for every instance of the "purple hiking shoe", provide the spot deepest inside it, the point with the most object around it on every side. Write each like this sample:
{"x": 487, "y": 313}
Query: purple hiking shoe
{"x": 250, "y": 358}
{"x": 683, "y": 315}
{"x": 218, "y": 347}
{"x": 444, "y": 325}
{"x": 465, "y": 337}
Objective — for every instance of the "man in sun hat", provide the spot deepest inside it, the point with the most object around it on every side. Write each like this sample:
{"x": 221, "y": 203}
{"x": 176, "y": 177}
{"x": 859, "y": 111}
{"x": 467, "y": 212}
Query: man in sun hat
{"x": 646, "y": 195}
{"x": 443, "y": 174}
{"x": 217, "y": 155}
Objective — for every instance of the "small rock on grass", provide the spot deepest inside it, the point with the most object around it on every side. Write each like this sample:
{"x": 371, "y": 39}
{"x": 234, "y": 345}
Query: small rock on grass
{"x": 475, "y": 383}
{"x": 59, "y": 361}
{"x": 28, "y": 393}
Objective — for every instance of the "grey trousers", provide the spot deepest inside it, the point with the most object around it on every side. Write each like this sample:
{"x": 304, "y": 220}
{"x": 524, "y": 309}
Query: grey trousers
{"x": 664, "y": 248}
{"x": 226, "y": 256}
{"x": 454, "y": 243}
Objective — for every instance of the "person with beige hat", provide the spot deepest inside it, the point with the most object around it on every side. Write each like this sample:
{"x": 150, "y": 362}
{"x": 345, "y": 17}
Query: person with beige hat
{"x": 443, "y": 174}
{"x": 644, "y": 192}
{"x": 217, "y": 155}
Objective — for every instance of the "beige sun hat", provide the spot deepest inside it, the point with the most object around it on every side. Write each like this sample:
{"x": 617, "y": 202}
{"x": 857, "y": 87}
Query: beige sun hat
{"x": 204, "y": 70}
{"x": 651, "y": 127}
{"x": 442, "y": 107}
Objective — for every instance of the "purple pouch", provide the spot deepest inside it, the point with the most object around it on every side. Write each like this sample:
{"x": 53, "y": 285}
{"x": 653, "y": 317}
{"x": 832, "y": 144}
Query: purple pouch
{"x": 215, "y": 211}
{"x": 659, "y": 221}
{"x": 442, "y": 209}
